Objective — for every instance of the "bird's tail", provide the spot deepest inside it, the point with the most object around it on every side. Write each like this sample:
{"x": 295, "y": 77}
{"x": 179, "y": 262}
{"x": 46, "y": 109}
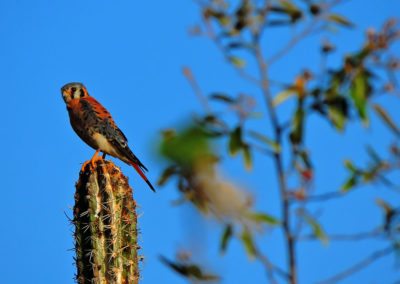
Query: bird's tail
{"x": 141, "y": 173}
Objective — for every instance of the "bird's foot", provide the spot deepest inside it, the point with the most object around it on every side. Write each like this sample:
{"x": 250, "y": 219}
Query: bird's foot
{"x": 84, "y": 165}
{"x": 92, "y": 161}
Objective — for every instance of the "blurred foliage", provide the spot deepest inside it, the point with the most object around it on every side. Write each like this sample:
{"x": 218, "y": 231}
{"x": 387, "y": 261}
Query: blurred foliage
{"x": 316, "y": 228}
{"x": 190, "y": 270}
{"x": 193, "y": 164}
{"x": 376, "y": 170}
{"x": 186, "y": 148}
{"x": 346, "y": 93}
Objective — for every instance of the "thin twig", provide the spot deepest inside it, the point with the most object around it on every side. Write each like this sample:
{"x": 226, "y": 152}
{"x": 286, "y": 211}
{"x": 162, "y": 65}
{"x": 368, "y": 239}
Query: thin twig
{"x": 261, "y": 149}
{"x": 271, "y": 268}
{"x": 358, "y": 266}
{"x": 311, "y": 27}
{"x": 196, "y": 89}
{"x": 325, "y": 196}
{"x": 242, "y": 73}
{"x": 349, "y": 237}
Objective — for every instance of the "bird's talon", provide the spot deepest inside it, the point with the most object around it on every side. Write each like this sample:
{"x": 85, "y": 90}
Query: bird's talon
{"x": 84, "y": 166}
{"x": 94, "y": 160}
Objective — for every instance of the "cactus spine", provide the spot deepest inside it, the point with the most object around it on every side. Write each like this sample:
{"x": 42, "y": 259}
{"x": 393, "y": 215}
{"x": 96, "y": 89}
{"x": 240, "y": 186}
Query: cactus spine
{"x": 105, "y": 227}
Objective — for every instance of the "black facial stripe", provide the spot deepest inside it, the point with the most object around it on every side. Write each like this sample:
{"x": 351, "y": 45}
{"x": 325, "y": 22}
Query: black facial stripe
{"x": 73, "y": 90}
{"x": 82, "y": 93}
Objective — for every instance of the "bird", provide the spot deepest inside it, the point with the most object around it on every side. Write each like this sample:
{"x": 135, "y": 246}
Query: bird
{"x": 95, "y": 126}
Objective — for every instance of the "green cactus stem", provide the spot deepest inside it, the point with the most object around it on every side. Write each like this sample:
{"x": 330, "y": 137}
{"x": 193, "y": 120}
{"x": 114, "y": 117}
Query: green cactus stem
{"x": 105, "y": 227}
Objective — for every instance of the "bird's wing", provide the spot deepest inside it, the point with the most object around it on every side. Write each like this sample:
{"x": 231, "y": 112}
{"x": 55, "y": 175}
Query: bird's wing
{"x": 106, "y": 126}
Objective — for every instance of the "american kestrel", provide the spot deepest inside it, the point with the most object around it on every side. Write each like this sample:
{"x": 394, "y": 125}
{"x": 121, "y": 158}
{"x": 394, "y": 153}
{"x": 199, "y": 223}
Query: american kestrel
{"x": 94, "y": 125}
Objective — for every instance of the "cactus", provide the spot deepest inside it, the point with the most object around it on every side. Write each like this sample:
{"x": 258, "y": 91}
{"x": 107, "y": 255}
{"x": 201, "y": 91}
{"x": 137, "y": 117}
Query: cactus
{"x": 105, "y": 227}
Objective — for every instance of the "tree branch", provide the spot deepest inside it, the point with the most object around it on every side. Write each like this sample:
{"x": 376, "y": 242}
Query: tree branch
{"x": 270, "y": 267}
{"x": 290, "y": 241}
{"x": 325, "y": 196}
{"x": 311, "y": 27}
{"x": 347, "y": 237}
{"x": 358, "y": 266}
{"x": 196, "y": 89}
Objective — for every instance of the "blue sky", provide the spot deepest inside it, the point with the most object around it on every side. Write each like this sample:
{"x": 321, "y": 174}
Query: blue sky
{"x": 129, "y": 54}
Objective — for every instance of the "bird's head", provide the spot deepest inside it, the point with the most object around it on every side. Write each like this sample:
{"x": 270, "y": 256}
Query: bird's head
{"x": 72, "y": 91}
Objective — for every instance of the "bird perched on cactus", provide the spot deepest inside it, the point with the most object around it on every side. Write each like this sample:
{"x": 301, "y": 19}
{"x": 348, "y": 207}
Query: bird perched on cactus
{"x": 95, "y": 126}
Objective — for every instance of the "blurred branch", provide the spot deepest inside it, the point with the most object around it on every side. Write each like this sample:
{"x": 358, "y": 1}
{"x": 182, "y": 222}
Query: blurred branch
{"x": 263, "y": 73}
{"x": 358, "y": 266}
{"x": 347, "y": 237}
{"x": 196, "y": 89}
{"x": 310, "y": 28}
{"x": 242, "y": 73}
{"x": 325, "y": 196}
{"x": 238, "y": 28}
{"x": 270, "y": 267}
{"x": 261, "y": 149}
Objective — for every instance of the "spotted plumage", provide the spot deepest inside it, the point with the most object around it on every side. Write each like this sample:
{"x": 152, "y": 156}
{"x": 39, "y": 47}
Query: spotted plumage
{"x": 95, "y": 126}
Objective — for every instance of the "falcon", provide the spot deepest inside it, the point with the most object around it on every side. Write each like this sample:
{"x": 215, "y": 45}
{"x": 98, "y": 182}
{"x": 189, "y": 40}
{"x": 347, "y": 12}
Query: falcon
{"x": 95, "y": 126}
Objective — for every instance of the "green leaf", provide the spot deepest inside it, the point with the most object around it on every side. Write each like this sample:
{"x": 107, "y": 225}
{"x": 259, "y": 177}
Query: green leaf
{"x": 358, "y": 92}
{"x": 236, "y": 144}
{"x": 224, "y": 20}
{"x": 288, "y": 5}
{"x": 317, "y": 229}
{"x": 337, "y": 118}
{"x": 339, "y": 19}
{"x": 186, "y": 147}
{"x": 350, "y": 183}
{"x": 226, "y": 236}
{"x": 296, "y": 136}
{"x": 167, "y": 173}
{"x": 242, "y": 14}
{"x": 189, "y": 270}
{"x": 222, "y": 97}
{"x": 271, "y": 143}
{"x": 337, "y": 111}
{"x": 248, "y": 243}
{"x": 291, "y": 9}
{"x": 283, "y": 96}
{"x": 386, "y": 118}
{"x": 349, "y": 165}
{"x": 371, "y": 174}
{"x": 247, "y": 157}
{"x": 235, "y": 141}
{"x": 264, "y": 218}
{"x": 237, "y": 62}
